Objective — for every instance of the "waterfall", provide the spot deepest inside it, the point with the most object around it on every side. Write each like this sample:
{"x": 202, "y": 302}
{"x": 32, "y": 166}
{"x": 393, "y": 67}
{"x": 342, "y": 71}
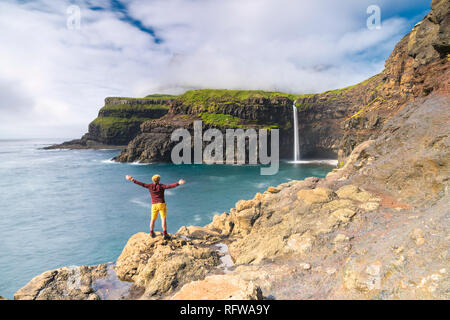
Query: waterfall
{"x": 296, "y": 142}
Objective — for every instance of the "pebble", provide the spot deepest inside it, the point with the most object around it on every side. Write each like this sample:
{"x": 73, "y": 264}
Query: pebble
{"x": 340, "y": 238}
{"x": 373, "y": 269}
{"x": 305, "y": 266}
{"x": 435, "y": 277}
{"x": 420, "y": 241}
{"x": 331, "y": 271}
{"x": 398, "y": 250}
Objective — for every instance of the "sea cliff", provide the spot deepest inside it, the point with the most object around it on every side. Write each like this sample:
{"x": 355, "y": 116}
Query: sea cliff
{"x": 119, "y": 121}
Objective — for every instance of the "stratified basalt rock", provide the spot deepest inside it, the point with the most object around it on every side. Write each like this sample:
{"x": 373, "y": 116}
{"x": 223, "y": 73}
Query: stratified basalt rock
{"x": 118, "y": 122}
{"x": 154, "y": 143}
{"x": 320, "y": 117}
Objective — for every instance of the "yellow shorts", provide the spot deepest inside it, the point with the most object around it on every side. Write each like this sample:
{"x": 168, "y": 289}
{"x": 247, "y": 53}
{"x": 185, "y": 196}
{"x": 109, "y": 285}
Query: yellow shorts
{"x": 159, "y": 207}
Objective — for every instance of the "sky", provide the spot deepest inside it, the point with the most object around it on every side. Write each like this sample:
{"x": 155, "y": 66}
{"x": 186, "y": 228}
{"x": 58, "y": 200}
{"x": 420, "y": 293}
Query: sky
{"x": 60, "y": 59}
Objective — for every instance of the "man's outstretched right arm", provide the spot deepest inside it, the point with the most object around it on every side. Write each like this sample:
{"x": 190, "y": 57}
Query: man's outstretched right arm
{"x": 145, "y": 185}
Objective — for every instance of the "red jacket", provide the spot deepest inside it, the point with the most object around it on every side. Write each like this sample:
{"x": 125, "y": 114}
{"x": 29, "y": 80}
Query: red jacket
{"x": 156, "y": 190}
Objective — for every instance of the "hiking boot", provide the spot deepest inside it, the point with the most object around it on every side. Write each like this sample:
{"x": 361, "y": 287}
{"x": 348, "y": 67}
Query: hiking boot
{"x": 152, "y": 234}
{"x": 166, "y": 236}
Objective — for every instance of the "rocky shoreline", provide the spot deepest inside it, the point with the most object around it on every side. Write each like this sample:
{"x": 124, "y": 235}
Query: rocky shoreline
{"x": 374, "y": 228}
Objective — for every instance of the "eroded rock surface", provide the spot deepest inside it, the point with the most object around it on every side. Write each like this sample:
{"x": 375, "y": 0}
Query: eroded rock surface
{"x": 160, "y": 266}
{"x": 63, "y": 284}
{"x": 219, "y": 287}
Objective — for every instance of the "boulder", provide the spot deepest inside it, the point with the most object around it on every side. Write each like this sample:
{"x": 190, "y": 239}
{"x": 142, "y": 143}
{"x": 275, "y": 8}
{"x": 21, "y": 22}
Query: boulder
{"x": 161, "y": 266}
{"x": 354, "y": 193}
{"x": 63, "y": 284}
{"x": 222, "y": 224}
{"x": 317, "y": 195}
{"x": 195, "y": 232}
{"x": 273, "y": 190}
{"x": 343, "y": 215}
{"x": 219, "y": 287}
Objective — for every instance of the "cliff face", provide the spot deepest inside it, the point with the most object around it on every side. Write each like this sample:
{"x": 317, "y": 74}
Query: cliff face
{"x": 216, "y": 109}
{"x": 375, "y": 228}
{"x": 319, "y": 119}
{"x": 119, "y": 121}
{"x": 417, "y": 67}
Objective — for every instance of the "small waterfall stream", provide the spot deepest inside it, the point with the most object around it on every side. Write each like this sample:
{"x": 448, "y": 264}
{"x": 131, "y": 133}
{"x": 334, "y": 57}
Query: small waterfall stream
{"x": 296, "y": 142}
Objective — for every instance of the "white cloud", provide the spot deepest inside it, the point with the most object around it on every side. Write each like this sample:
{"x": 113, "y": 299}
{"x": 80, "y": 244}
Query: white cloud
{"x": 53, "y": 80}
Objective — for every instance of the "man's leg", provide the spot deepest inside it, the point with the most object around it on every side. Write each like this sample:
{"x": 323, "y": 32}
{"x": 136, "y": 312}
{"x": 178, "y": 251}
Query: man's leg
{"x": 152, "y": 225}
{"x": 163, "y": 219}
{"x": 164, "y": 225}
{"x": 152, "y": 221}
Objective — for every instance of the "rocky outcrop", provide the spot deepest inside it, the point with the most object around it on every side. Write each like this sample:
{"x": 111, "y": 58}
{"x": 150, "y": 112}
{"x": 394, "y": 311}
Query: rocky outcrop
{"x": 219, "y": 287}
{"x": 417, "y": 67}
{"x": 63, "y": 284}
{"x": 118, "y": 122}
{"x": 161, "y": 266}
{"x": 148, "y": 268}
{"x": 410, "y": 157}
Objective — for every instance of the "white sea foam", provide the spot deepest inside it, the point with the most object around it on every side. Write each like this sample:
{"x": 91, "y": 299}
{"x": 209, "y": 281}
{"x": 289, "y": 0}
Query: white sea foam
{"x": 331, "y": 162}
{"x": 137, "y": 163}
{"x": 109, "y": 161}
{"x": 226, "y": 260}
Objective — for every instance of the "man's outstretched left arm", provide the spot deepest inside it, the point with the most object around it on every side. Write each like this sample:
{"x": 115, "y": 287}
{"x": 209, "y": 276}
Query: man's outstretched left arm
{"x": 173, "y": 185}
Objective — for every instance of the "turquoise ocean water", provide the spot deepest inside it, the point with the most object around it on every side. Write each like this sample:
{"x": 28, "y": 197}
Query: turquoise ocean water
{"x": 74, "y": 207}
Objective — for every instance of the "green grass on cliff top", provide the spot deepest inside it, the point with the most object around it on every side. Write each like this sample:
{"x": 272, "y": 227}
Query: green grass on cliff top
{"x": 226, "y": 120}
{"x": 208, "y": 98}
{"x": 221, "y": 120}
{"x": 201, "y": 96}
{"x": 362, "y": 83}
{"x": 205, "y": 97}
{"x": 155, "y": 96}
{"x": 109, "y": 122}
{"x": 160, "y": 96}
{"x": 137, "y": 107}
